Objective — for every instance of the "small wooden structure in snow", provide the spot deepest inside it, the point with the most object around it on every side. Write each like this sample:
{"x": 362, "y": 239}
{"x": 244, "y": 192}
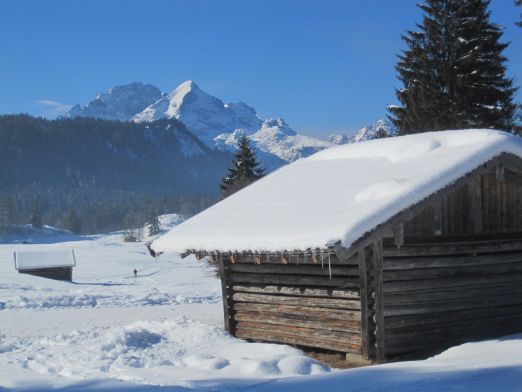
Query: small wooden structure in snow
{"x": 57, "y": 264}
{"x": 390, "y": 247}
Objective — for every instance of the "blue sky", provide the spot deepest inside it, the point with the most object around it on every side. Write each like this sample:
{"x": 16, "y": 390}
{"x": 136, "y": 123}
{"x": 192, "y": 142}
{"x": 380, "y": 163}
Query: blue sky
{"x": 325, "y": 66}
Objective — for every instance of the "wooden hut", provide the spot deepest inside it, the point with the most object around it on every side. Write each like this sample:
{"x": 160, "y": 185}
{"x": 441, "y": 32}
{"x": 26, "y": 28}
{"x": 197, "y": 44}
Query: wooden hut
{"x": 380, "y": 249}
{"x": 56, "y": 265}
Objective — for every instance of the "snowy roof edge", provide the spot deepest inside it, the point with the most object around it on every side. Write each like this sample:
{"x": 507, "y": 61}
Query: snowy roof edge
{"x": 486, "y": 145}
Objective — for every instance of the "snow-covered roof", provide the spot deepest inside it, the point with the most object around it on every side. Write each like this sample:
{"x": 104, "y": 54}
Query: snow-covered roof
{"x": 44, "y": 259}
{"x": 339, "y": 193}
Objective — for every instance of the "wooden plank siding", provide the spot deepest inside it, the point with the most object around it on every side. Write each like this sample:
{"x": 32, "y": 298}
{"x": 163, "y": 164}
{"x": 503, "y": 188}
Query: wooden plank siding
{"x": 486, "y": 204}
{"x": 458, "y": 273}
{"x": 56, "y": 273}
{"x": 434, "y": 301}
{"x": 294, "y": 299}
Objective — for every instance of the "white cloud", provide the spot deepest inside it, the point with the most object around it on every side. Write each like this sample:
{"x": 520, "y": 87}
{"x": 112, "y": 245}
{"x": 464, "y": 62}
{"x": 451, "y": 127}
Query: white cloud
{"x": 50, "y": 108}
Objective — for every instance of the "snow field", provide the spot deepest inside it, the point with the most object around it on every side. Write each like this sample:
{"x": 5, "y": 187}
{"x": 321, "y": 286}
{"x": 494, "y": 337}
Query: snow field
{"x": 157, "y": 352}
{"x": 162, "y": 328}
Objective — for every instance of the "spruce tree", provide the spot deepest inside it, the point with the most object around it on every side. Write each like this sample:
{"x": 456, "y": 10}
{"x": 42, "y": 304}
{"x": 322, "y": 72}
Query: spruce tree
{"x": 72, "y": 222}
{"x": 153, "y": 221}
{"x": 453, "y": 71}
{"x": 245, "y": 169}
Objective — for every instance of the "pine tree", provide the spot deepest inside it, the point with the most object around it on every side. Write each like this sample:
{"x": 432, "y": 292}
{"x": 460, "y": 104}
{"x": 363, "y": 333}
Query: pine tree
{"x": 153, "y": 221}
{"x": 72, "y": 222}
{"x": 245, "y": 169}
{"x": 453, "y": 71}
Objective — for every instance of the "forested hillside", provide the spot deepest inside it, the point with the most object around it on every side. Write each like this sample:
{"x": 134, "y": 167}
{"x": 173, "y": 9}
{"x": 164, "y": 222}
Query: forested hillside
{"x": 111, "y": 173}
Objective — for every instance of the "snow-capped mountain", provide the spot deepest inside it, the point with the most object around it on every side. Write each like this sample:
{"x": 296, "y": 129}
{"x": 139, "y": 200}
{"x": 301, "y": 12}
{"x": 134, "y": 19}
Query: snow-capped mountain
{"x": 339, "y": 138}
{"x": 220, "y": 125}
{"x": 217, "y": 124}
{"x": 204, "y": 115}
{"x": 118, "y": 103}
{"x": 381, "y": 128}
{"x": 275, "y": 143}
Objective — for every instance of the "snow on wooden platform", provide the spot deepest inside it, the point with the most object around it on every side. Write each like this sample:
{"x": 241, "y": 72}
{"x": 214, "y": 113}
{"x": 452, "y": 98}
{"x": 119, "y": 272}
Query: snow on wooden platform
{"x": 339, "y": 193}
{"x": 30, "y": 260}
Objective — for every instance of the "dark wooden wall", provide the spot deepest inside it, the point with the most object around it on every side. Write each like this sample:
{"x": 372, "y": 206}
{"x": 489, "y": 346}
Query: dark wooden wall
{"x": 439, "y": 295}
{"x": 292, "y": 299}
{"x": 59, "y": 273}
{"x": 457, "y": 275}
{"x": 489, "y": 203}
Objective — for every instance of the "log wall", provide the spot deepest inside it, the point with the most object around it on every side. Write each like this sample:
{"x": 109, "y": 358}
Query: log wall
{"x": 304, "y": 300}
{"x": 58, "y": 273}
{"x": 440, "y": 294}
{"x": 490, "y": 203}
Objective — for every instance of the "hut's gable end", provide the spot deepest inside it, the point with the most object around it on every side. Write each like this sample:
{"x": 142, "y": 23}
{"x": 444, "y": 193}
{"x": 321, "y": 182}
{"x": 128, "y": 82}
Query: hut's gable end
{"x": 441, "y": 294}
{"x": 479, "y": 202}
{"x": 488, "y": 203}
{"x": 457, "y": 274}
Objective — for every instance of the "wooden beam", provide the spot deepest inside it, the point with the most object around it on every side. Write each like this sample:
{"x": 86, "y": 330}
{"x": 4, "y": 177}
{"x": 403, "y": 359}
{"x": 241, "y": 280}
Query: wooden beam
{"x": 363, "y": 284}
{"x": 297, "y": 291}
{"x": 227, "y": 297}
{"x": 335, "y": 303}
{"x": 377, "y": 254}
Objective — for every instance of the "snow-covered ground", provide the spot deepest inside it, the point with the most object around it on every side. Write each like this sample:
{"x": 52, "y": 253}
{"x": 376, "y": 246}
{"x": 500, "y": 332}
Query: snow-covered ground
{"x": 162, "y": 331}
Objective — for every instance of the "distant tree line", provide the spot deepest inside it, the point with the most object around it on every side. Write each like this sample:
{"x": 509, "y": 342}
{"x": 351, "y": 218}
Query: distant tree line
{"x": 91, "y": 175}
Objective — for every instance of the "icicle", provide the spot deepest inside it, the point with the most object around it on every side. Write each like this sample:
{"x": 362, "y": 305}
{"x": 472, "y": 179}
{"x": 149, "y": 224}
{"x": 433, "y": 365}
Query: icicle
{"x": 297, "y": 261}
{"x": 322, "y": 258}
{"x": 329, "y": 265}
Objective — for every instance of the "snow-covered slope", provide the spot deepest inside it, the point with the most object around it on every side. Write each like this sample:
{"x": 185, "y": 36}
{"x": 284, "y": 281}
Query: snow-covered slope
{"x": 28, "y": 234}
{"x": 324, "y": 198}
{"x": 118, "y": 103}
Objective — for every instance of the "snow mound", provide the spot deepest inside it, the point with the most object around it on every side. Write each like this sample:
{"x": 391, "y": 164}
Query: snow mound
{"x": 338, "y": 194}
{"x": 175, "y": 350}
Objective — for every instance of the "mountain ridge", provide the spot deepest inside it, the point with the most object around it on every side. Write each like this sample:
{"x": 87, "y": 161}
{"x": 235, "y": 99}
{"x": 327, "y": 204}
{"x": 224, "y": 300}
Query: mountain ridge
{"x": 218, "y": 124}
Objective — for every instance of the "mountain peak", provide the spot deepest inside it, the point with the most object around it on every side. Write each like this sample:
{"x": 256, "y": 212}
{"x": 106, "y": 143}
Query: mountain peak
{"x": 202, "y": 113}
{"x": 185, "y": 88}
{"x": 379, "y": 129}
{"x": 118, "y": 103}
